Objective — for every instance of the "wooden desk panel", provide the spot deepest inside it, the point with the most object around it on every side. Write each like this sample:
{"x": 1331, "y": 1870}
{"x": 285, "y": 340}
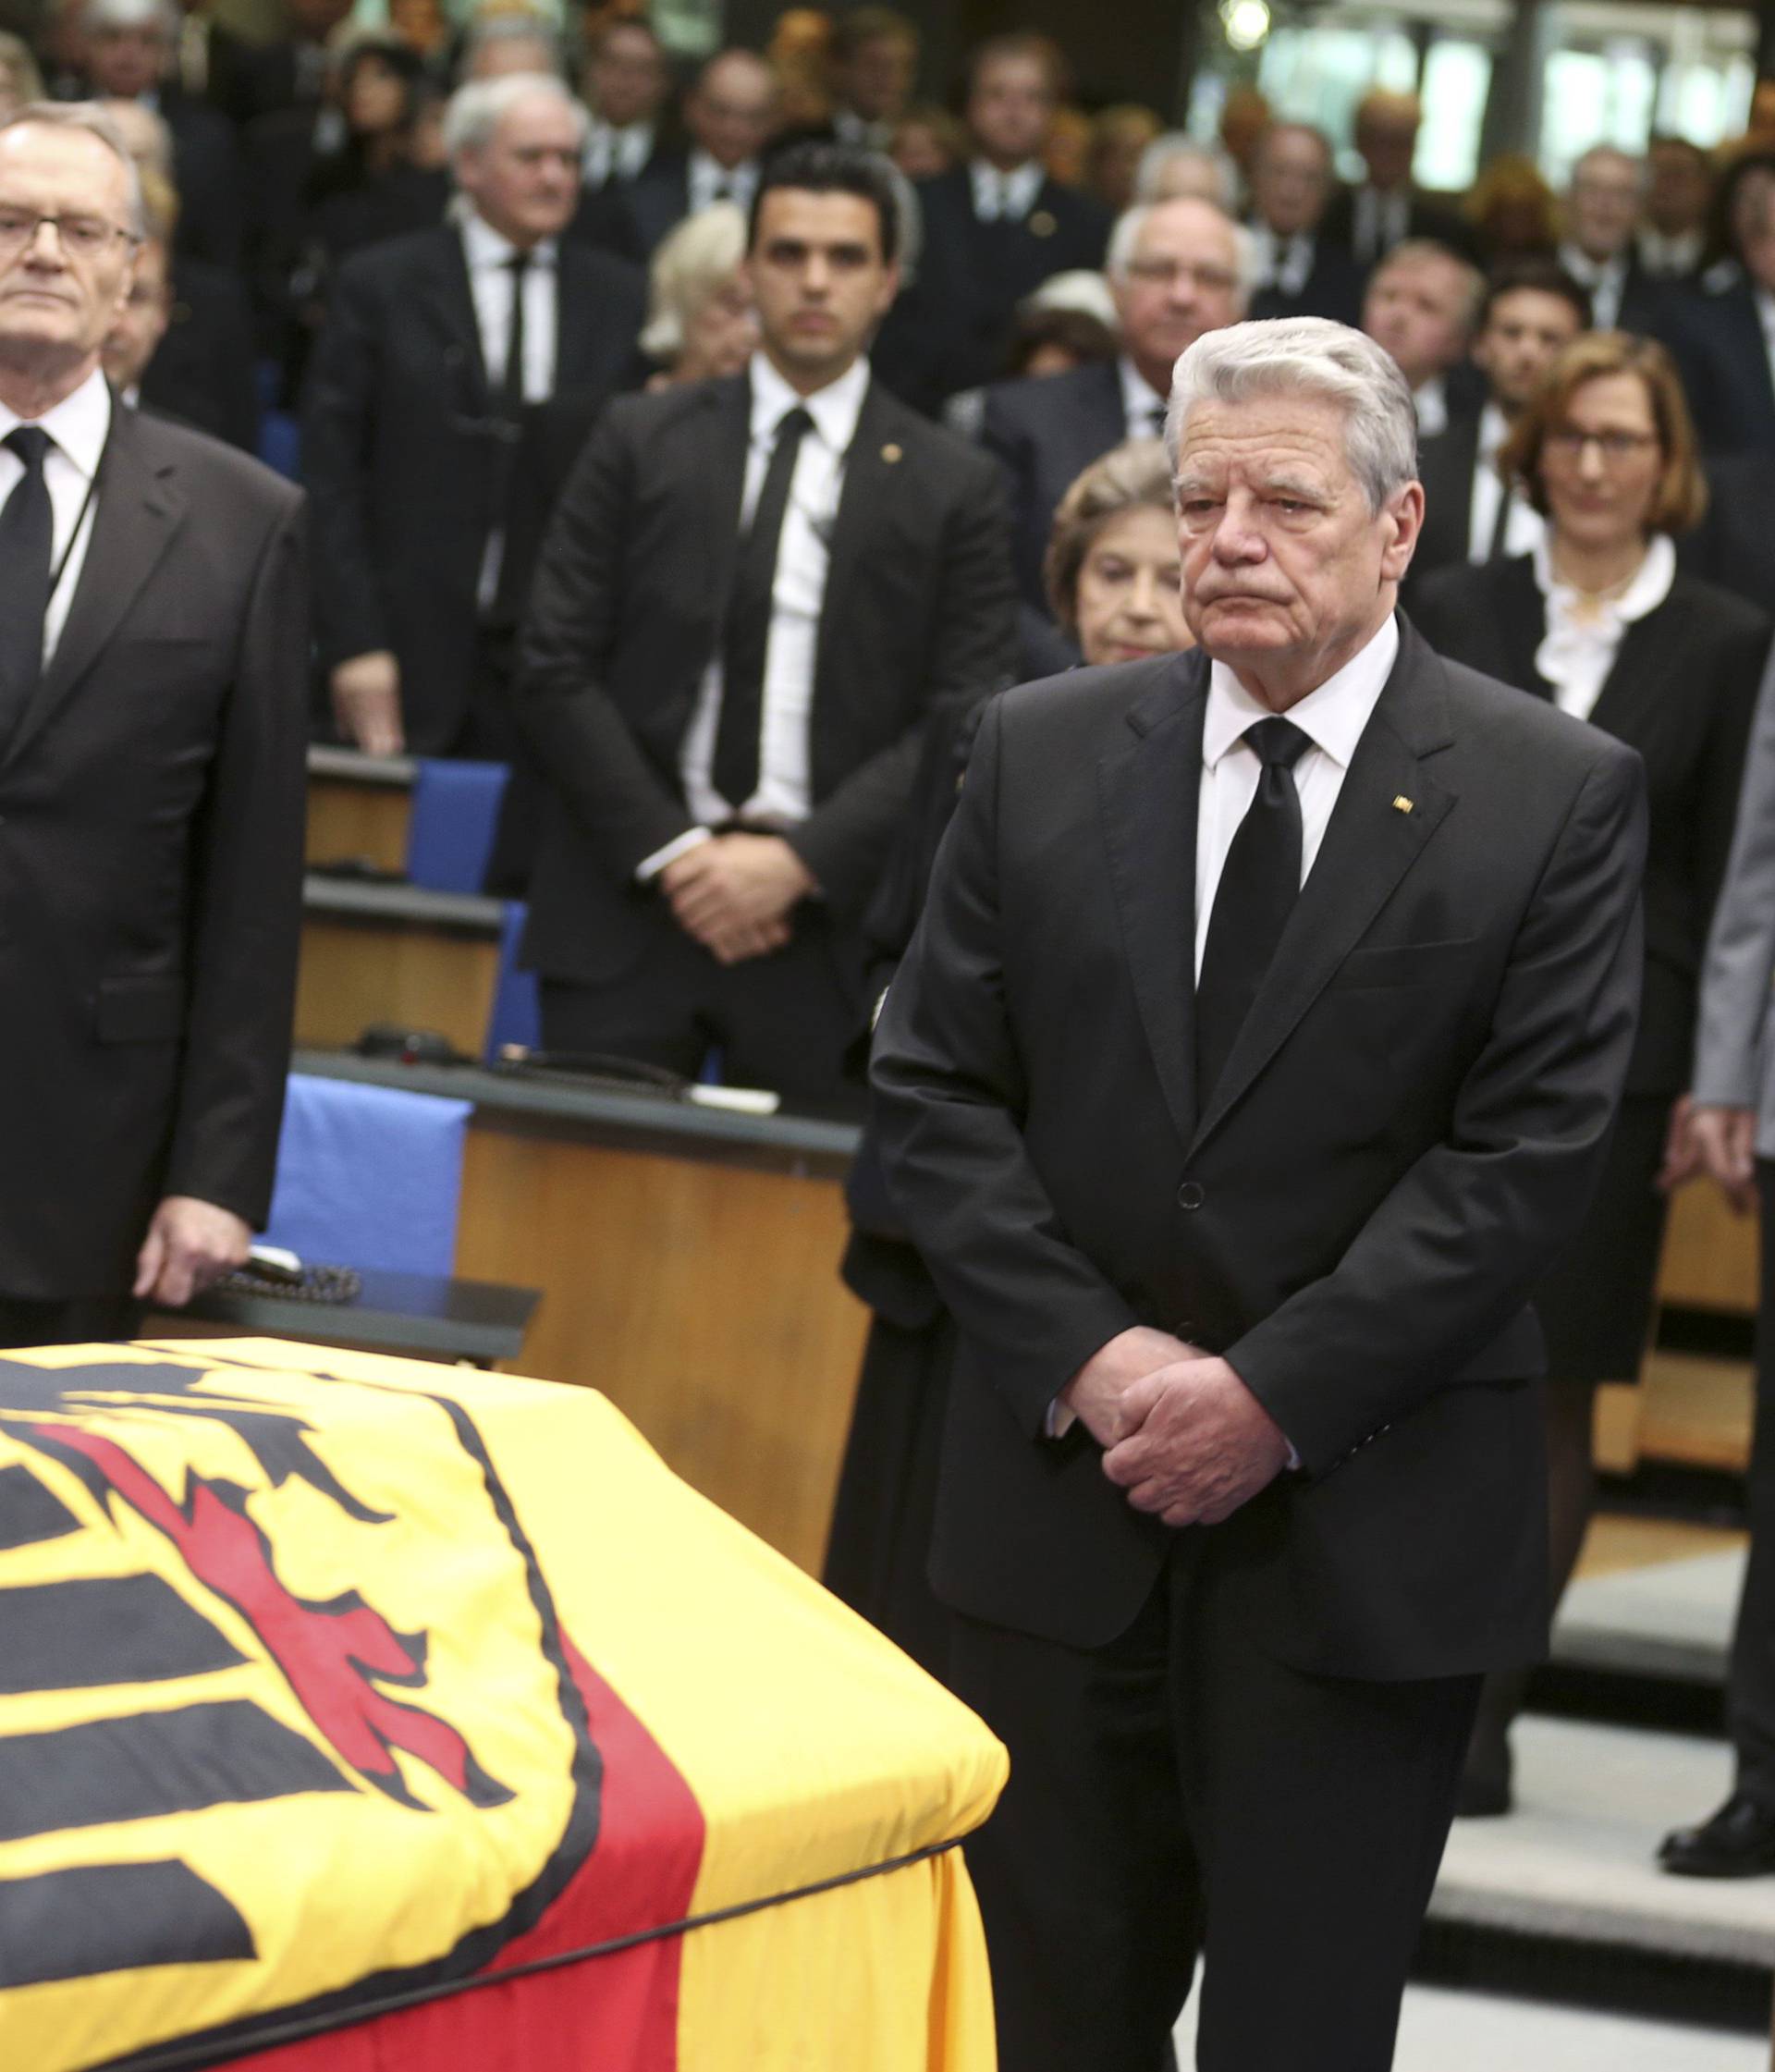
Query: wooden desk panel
{"x": 701, "y": 1296}
{"x": 352, "y": 974}
{"x": 348, "y": 819}
{"x": 1709, "y": 1253}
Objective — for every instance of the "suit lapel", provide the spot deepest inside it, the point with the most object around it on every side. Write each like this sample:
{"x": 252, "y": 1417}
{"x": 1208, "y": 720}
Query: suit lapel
{"x": 452, "y": 302}
{"x": 1148, "y": 789}
{"x": 1522, "y": 623}
{"x": 137, "y": 512}
{"x": 1370, "y": 843}
{"x": 871, "y": 477}
{"x": 575, "y": 338}
{"x": 721, "y": 465}
{"x": 1649, "y": 660}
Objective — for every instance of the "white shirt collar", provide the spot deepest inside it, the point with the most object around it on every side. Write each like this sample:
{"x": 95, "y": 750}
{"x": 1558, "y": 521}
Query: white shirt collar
{"x": 1137, "y": 397}
{"x": 1493, "y": 429}
{"x": 80, "y": 423}
{"x": 1432, "y": 401}
{"x": 706, "y": 174}
{"x": 485, "y": 249}
{"x": 1018, "y": 189}
{"x": 1592, "y": 273}
{"x": 1648, "y": 589}
{"x": 1332, "y": 716}
{"x": 833, "y": 409}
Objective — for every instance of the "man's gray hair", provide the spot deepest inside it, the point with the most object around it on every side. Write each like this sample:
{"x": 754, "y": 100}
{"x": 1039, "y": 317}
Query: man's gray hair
{"x": 476, "y": 111}
{"x": 1206, "y": 170}
{"x": 132, "y": 14}
{"x": 1307, "y": 355}
{"x": 1125, "y": 236}
{"x": 492, "y": 30}
{"x": 88, "y": 115}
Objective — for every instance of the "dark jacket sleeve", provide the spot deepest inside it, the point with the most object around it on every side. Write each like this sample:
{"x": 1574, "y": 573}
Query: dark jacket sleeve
{"x": 948, "y": 1092}
{"x": 1454, "y": 1250}
{"x": 973, "y": 638}
{"x": 247, "y": 872}
{"x": 623, "y": 805}
{"x": 337, "y": 434}
{"x": 1722, "y": 766}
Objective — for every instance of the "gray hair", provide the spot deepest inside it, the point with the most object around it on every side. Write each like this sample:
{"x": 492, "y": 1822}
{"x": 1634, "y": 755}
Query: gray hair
{"x": 1211, "y": 173}
{"x": 87, "y": 116}
{"x": 1129, "y": 225}
{"x": 476, "y": 111}
{"x": 692, "y": 261}
{"x": 1307, "y": 355}
{"x": 492, "y": 30}
{"x": 132, "y": 14}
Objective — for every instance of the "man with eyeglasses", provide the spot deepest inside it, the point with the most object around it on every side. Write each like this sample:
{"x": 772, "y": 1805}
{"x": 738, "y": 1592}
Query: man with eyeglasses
{"x": 1176, "y": 269}
{"x": 154, "y": 645}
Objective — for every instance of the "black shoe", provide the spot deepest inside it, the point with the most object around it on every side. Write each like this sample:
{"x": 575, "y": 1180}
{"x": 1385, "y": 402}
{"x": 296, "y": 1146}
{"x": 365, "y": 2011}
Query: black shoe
{"x": 1484, "y": 1791}
{"x": 1738, "y": 1842}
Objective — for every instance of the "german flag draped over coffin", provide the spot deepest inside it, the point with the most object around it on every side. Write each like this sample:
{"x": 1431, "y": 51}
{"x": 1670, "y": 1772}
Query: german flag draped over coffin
{"x": 348, "y": 1703}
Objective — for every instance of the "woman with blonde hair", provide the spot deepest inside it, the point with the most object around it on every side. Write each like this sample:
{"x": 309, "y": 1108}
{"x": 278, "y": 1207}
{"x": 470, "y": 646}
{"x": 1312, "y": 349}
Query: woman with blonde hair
{"x": 700, "y": 318}
{"x": 1598, "y": 621}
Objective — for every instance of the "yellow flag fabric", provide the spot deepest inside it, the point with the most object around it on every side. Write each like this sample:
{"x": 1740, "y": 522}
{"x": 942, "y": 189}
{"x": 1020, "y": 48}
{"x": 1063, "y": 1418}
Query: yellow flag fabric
{"x": 375, "y": 1714}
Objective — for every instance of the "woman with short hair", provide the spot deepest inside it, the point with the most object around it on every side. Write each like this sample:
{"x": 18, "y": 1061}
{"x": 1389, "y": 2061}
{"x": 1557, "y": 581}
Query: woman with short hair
{"x": 1599, "y": 620}
{"x": 700, "y": 317}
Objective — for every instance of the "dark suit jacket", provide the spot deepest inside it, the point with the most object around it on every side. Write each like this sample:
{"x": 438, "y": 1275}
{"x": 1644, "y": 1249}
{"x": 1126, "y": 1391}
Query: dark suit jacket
{"x": 1413, "y": 1116}
{"x": 1045, "y": 431}
{"x": 399, "y": 437}
{"x": 1718, "y": 340}
{"x": 629, "y": 604}
{"x": 1445, "y": 467}
{"x": 151, "y": 841}
{"x": 949, "y": 329}
{"x": 1734, "y": 543}
{"x": 1333, "y": 288}
{"x": 1426, "y": 217}
{"x": 207, "y": 170}
{"x": 631, "y": 218}
{"x": 202, "y": 370}
{"x": 1681, "y": 692}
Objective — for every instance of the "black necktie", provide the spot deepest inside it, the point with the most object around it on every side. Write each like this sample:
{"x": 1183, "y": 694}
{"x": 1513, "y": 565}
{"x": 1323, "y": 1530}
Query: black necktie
{"x": 511, "y": 387}
{"x": 27, "y": 528}
{"x": 1258, "y": 887}
{"x": 748, "y": 628}
{"x": 1500, "y": 524}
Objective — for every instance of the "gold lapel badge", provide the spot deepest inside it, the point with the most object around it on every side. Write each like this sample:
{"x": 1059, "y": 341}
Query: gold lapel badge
{"x": 1042, "y": 224}
{"x": 892, "y": 454}
{"x": 1402, "y": 803}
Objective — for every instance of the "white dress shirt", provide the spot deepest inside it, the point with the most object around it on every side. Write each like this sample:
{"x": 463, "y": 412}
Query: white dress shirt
{"x": 1379, "y": 221}
{"x": 1670, "y": 255}
{"x": 712, "y": 181}
{"x": 491, "y": 282}
{"x": 1524, "y": 525}
{"x": 1283, "y": 263}
{"x": 1332, "y": 717}
{"x": 1605, "y": 279}
{"x": 1583, "y": 635}
{"x": 1432, "y": 404}
{"x": 1009, "y": 196}
{"x": 1766, "y": 313}
{"x": 785, "y": 780}
{"x": 615, "y": 154}
{"x": 78, "y": 426}
{"x": 1139, "y": 402}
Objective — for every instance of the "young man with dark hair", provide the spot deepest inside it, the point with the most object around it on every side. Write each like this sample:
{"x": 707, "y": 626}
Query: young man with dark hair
{"x": 754, "y": 590}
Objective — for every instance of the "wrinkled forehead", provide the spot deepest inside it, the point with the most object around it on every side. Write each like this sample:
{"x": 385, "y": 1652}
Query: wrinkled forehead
{"x": 47, "y": 163}
{"x": 1282, "y": 434}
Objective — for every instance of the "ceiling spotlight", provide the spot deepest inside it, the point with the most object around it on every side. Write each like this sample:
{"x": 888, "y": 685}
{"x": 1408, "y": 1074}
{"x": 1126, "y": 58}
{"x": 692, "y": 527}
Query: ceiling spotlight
{"x": 1246, "y": 22}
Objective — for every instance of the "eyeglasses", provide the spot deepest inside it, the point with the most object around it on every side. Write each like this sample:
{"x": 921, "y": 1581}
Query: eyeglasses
{"x": 1164, "y": 273}
{"x": 1615, "y": 448}
{"x": 82, "y": 237}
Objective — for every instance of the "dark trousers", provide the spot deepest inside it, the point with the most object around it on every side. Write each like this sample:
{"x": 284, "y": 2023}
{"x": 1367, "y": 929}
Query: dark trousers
{"x": 1750, "y": 1687}
{"x": 780, "y": 1022}
{"x": 86, "y": 1320}
{"x": 1182, "y": 1792}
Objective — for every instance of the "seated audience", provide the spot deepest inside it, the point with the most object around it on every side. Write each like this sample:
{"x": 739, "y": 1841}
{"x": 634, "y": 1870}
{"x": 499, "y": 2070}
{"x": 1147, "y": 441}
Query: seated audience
{"x": 1386, "y": 209}
{"x": 291, "y": 71}
{"x": 1598, "y": 619}
{"x": 1119, "y": 137}
{"x": 1603, "y": 205}
{"x": 1672, "y": 239}
{"x": 874, "y": 68}
{"x": 1175, "y": 165}
{"x": 1421, "y": 305}
{"x": 927, "y": 142}
{"x": 1297, "y": 271}
{"x": 498, "y": 44}
{"x": 1245, "y": 115}
{"x": 700, "y": 322}
{"x": 1513, "y": 214}
{"x": 1176, "y": 269}
{"x": 1719, "y": 334}
{"x": 19, "y": 79}
{"x": 994, "y": 230}
{"x": 1068, "y": 322}
{"x": 1113, "y": 584}
{"x": 1532, "y": 310}
{"x": 753, "y": 592}
{"x": 128, "y": 51}
{"x": 627, "y": 82}
{"x": 453, "y": 363}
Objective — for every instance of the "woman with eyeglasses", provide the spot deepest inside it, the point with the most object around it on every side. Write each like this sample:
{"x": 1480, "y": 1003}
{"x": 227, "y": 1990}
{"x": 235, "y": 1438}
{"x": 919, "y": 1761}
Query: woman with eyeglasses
{"x": 1599, "y": 620}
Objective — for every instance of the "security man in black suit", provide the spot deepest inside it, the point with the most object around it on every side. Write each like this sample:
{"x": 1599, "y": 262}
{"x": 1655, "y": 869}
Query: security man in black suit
{"x": 153, "y": 663}
{"x": 994, "y": 229}
{"x": 753, "y": 590}
{"x": 1261, "y": 1038}
{"x": 446, "y": 357}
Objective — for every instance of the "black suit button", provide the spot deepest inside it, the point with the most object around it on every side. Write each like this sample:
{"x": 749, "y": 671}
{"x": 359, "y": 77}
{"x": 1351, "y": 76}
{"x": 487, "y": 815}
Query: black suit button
{"x": 1190, "y": 1194}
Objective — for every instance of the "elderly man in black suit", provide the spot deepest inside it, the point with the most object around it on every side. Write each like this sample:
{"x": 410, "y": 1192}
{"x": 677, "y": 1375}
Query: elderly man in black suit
{"x": 1261, "y": 1038}
{"x": 1600, "y": 251}
{"x": 1176, "y": 269}
{"x": 994, "y": 229}
{"x": 1297, "y": 270}
{"x": 753, "y": 591}
{"x": 453, "y": 365}
{"x": 153, "y": 664}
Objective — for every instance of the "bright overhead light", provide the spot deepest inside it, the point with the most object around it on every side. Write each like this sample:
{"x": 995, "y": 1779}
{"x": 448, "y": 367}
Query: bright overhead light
{"x": 1246, "y": 22}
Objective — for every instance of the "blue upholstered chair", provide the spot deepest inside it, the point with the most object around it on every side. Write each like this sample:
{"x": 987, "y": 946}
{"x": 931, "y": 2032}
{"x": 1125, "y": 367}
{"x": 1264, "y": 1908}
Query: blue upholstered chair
{"x": 455, "y": 817}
